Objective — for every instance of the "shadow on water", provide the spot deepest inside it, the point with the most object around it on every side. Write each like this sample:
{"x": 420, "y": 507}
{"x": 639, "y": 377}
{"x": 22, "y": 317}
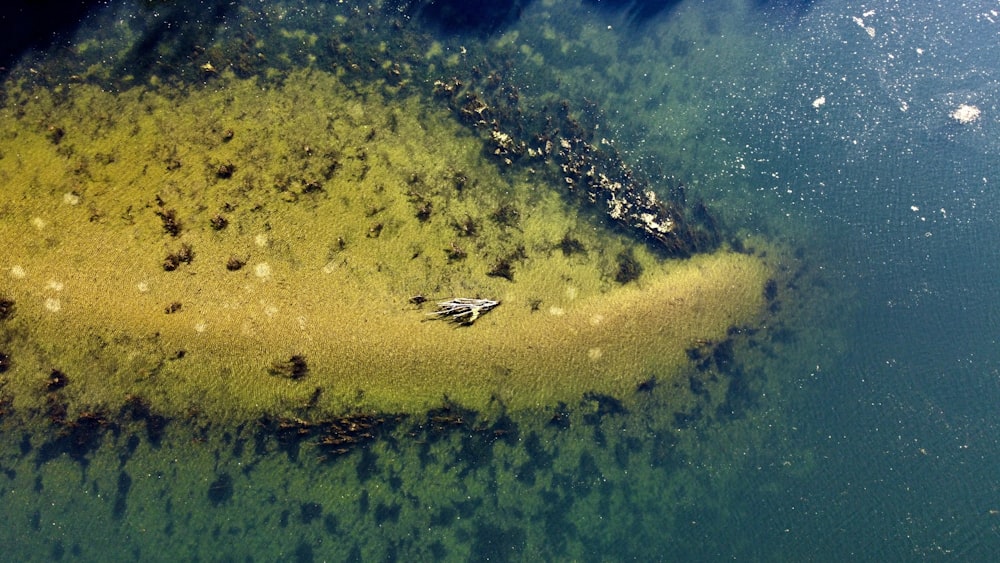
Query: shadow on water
{"x": 37, "y": 24}
{"x": 640, "y": 12}
{"x": 468, "y": 16}
{"x": 174, "y": 34}
{"x": 636, "y": 11}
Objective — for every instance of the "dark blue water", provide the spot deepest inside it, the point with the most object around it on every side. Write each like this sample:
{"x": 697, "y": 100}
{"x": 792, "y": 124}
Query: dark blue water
{"x": 874, "y": 435}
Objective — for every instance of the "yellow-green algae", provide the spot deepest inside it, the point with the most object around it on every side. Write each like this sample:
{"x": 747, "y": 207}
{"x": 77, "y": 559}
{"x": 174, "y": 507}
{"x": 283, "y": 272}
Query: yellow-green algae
{"x": 323, "y": 206}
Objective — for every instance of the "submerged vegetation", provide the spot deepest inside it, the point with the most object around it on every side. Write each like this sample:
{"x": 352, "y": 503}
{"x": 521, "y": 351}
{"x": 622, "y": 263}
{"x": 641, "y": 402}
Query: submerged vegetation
{"x": 224, "y": 249}
{"x": 320, "y": 257}
{"x": 271, "y": 211}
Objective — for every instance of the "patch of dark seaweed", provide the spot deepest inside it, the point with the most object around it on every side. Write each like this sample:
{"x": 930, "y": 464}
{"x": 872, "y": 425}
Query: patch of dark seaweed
{"x": 220, "y": 491}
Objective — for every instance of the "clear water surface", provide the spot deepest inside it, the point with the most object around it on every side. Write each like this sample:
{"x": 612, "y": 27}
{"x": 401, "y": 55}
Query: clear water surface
{"x": 871, "y": 436}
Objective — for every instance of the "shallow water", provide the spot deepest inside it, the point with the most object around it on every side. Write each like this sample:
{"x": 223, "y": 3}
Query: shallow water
{"x": 857, "y": 421}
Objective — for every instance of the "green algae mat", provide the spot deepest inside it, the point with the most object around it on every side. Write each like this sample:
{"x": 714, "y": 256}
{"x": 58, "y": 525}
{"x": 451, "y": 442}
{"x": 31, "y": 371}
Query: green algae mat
{"x": 240, "y": 250}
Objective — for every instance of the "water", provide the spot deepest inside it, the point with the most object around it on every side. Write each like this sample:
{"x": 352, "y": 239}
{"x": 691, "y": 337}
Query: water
{"x": 866, "y": 428}
{"x": 906, "y": 423}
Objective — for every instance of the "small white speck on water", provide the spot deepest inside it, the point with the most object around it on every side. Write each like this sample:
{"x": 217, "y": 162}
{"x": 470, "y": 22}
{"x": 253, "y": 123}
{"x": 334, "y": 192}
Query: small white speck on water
{"x": 966, "y": 114}
{"x": 52, "y": 305}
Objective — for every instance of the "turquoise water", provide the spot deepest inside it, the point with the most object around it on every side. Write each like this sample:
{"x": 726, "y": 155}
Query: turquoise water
{"x": 863, "y": 428}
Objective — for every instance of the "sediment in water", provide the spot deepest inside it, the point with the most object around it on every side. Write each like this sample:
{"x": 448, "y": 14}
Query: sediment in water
{"x": 225, "y": 251}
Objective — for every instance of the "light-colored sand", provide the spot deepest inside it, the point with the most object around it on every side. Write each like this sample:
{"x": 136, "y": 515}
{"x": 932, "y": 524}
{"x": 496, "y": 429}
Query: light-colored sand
{"x": 329, "y": 272}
